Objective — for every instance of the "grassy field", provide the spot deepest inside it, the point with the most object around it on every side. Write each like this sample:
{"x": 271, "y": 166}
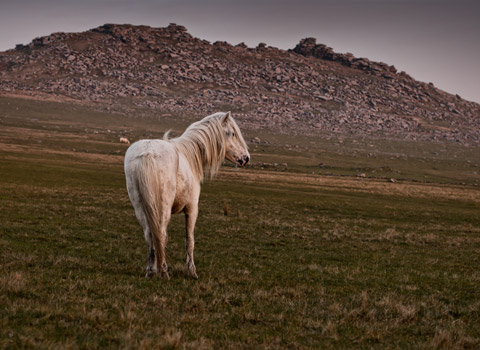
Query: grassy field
{"x": 309, "y": 256}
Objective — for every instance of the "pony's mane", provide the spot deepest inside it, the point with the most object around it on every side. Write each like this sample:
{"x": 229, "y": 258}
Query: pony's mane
{"x": 203, "y": 144}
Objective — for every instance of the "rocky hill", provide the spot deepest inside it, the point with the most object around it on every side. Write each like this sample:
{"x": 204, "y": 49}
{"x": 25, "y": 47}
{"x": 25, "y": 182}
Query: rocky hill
{"x": 310, "y": 89}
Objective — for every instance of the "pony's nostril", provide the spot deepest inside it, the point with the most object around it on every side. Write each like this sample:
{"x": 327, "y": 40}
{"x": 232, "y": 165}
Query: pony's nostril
{"x": 246, "y": 159}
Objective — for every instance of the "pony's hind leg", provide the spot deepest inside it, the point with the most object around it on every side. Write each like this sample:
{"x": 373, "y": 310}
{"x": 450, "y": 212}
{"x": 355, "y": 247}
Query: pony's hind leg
{"x": 152, "y": 257}
{"x": 161, "y": 239}
{"x": 151, "y": 269}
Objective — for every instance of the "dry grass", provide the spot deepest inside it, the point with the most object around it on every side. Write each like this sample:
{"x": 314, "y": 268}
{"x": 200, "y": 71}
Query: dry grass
{"x": 356, "y": 185}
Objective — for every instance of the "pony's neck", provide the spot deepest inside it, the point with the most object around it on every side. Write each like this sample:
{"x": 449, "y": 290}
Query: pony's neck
{"x": 203, "y": 148}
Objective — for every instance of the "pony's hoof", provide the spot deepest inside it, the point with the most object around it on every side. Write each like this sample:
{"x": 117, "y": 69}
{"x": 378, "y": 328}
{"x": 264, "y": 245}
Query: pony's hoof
{"x": 150, "y": 273}
{"x": 192, "y": 271}
{"x": 164, "y": 275}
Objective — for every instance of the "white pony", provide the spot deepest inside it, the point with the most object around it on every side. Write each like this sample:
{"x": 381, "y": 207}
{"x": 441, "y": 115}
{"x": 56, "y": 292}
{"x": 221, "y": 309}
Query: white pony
{"x": 164, "y": 177}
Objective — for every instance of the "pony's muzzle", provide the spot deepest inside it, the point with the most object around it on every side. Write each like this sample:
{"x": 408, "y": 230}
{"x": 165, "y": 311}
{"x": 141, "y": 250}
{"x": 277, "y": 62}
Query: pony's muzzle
{"x": 244, "y": 160}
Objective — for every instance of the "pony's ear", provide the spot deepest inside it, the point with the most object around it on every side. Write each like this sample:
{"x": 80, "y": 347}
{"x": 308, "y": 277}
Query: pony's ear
{"x": 226, "y": 117}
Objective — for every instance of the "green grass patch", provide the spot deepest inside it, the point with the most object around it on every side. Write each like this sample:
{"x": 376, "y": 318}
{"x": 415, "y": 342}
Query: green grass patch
{"x": 299, "y": 261}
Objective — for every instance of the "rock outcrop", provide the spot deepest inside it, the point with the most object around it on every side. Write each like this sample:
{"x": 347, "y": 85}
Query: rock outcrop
{"x": 308, "y": 47}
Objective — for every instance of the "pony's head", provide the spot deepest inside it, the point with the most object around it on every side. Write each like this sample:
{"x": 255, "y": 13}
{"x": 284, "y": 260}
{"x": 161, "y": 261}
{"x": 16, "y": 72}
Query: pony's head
{"x": 236, "y": 149}
{"x": 206, "y": 143}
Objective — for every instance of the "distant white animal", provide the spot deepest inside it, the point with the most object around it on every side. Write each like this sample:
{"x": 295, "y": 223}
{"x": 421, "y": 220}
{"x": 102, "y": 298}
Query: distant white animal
{"x": 124, "y": 140}
{"x": 164, "y": 177}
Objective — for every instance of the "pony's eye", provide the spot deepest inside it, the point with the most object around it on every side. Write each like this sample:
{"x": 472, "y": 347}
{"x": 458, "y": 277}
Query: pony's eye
{"x": 233, "y": 134}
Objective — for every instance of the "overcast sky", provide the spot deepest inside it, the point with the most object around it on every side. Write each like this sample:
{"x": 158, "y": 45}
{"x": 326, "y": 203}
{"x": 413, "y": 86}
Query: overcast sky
{"x": 433, "y": 40}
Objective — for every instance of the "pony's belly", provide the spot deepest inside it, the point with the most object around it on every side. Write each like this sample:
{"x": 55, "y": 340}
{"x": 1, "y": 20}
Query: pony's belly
{"x": 181, "y": 199}
{"x": 177, "y": 208}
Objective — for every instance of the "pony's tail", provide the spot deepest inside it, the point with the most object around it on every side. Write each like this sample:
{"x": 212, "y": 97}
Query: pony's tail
{"x": 149, "y": 186}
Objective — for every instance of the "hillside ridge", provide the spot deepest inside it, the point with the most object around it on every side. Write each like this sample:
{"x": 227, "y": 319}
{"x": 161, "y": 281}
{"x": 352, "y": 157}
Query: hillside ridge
{"x": 309, "y": 89}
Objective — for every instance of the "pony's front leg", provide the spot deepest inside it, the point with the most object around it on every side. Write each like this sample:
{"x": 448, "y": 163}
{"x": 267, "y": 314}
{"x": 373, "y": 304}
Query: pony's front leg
{"x": 190, "y": 220}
